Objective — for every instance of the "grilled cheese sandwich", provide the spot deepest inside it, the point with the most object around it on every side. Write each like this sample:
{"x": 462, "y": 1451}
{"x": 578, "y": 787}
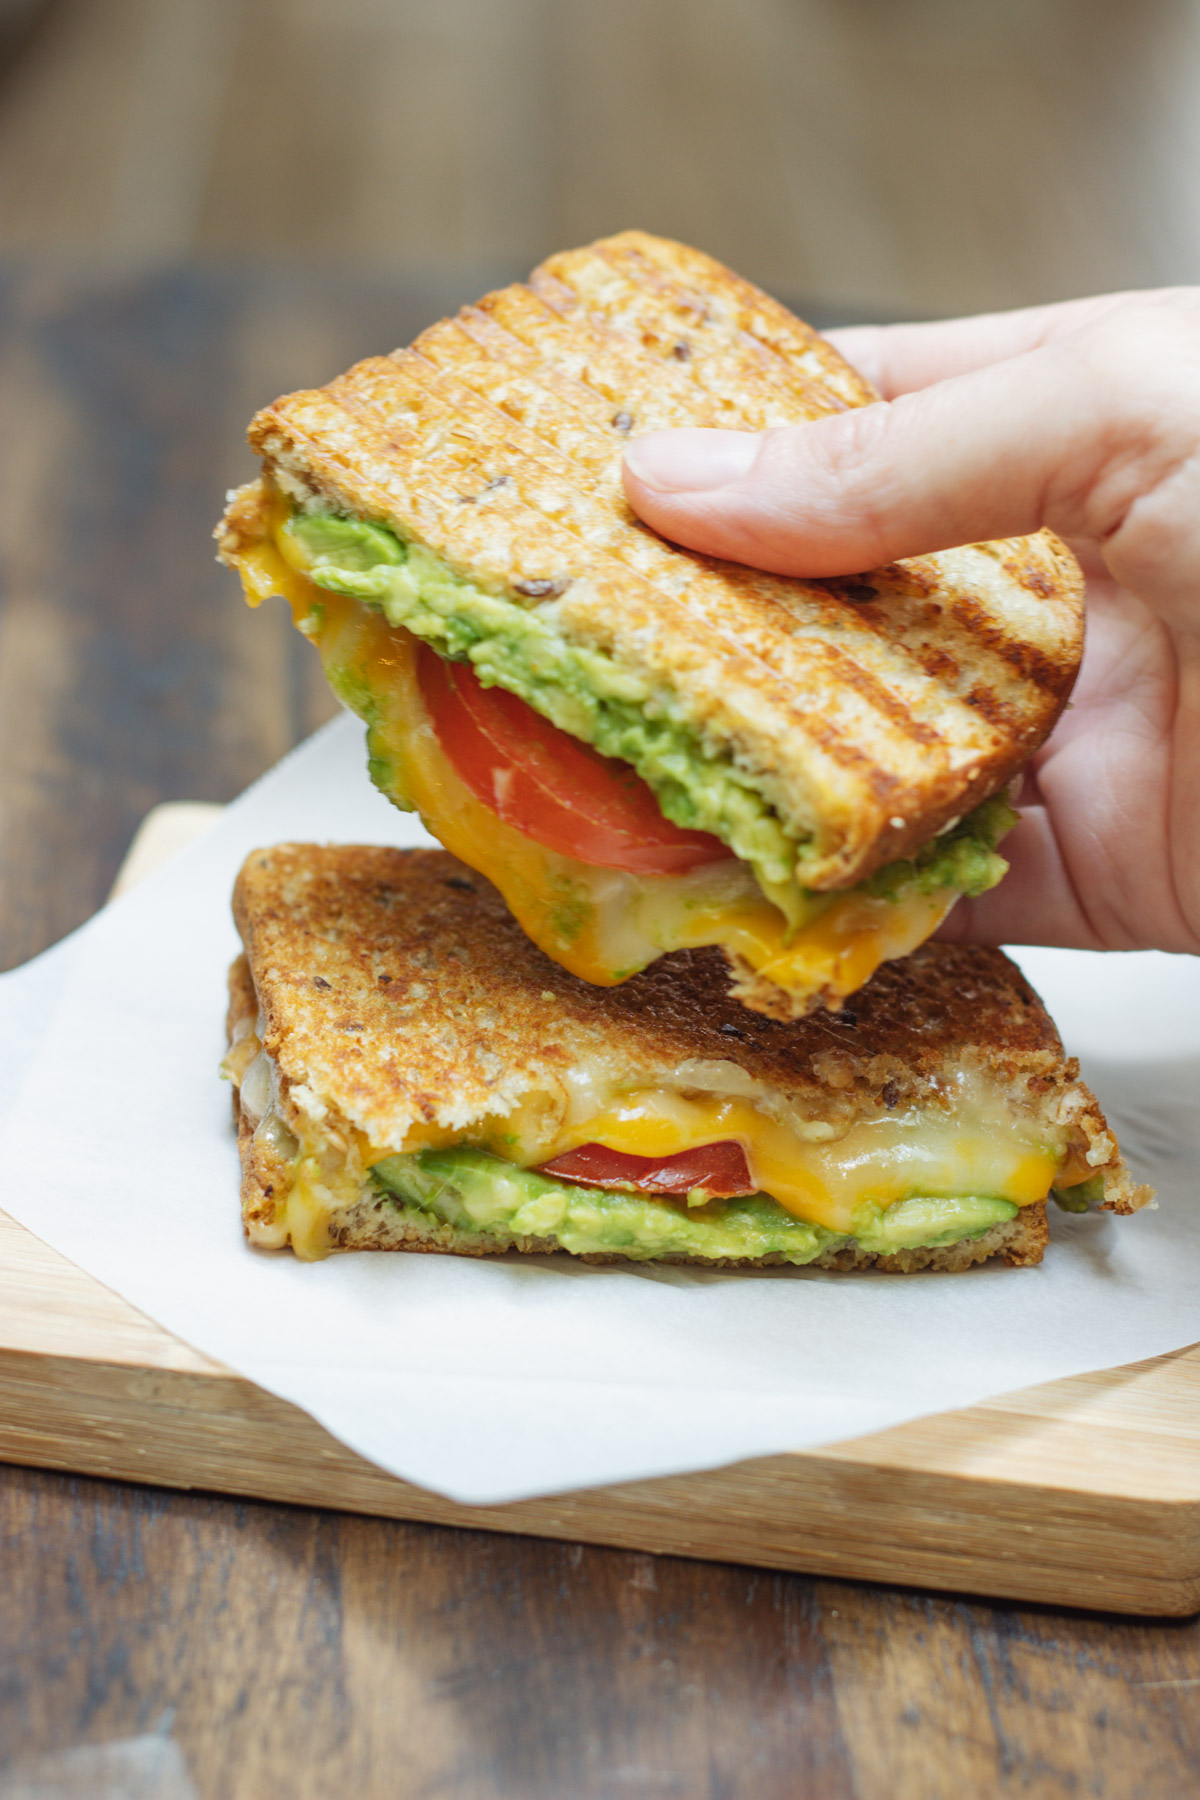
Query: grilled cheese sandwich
{"x": 409, "y": 1069}
{"x": 601, "y": 924}
{"x": 847, "y": 743}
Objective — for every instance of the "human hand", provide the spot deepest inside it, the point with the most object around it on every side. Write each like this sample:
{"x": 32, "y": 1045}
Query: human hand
{"x": 1085, "y": 418}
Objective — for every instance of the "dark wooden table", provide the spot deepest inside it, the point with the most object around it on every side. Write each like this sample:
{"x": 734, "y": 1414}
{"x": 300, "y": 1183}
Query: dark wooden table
{"x": 306, "y": 1654}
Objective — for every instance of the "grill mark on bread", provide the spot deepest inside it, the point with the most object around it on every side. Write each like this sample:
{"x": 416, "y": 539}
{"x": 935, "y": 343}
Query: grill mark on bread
{"x": 593, "y": 450}
{"x": 640, "y": 259}
{"x": 368, "y": 405}
{"x": 374, "y": 391}
{"x": 968, "y": 634}
{"x": 569, "y": 434}
{"x": 589, "y": 272}
{"x": 1029, "y": 662}
{"x": 933, "y": 709}
{"x": 652, "y": 559}
{"x": 619, "y": 361}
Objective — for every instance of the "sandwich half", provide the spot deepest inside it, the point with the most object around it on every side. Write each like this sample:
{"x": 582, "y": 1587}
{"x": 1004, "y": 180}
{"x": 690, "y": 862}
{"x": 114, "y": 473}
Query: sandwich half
{"x": 646, "y": 749}
{"x": 411, "y": 1073}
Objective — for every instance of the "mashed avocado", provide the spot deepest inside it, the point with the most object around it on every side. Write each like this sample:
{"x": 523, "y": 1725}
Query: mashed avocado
{"x": 476, "y": 1192}
{"x": 582, "y": 691}
{"x": 1081, "y": 1197}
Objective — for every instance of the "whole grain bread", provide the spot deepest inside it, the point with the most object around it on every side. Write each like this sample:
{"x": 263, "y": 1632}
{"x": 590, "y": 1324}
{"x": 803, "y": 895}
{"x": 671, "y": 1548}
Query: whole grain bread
{"x": 868, "y": 712}
{"x": 392, "y": 988}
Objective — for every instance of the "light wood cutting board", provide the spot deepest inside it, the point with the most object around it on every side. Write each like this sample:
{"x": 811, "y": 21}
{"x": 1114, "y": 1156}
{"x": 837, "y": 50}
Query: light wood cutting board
{"x": 1083, "y": 1492}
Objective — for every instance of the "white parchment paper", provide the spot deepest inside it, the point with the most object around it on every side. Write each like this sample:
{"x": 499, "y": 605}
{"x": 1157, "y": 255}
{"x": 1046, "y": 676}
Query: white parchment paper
{"x": 491, "y": 1381}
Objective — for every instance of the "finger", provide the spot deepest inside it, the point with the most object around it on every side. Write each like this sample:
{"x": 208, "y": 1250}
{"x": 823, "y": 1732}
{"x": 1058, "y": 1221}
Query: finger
{"x": 898, "y": 359}
{"x": 1068, "y": 435}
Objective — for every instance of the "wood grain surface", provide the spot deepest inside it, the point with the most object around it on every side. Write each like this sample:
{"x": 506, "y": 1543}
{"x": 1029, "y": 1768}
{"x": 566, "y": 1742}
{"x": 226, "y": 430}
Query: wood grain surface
{"x": 1083, "y": 1492}
{"x": 298, "y": 1651}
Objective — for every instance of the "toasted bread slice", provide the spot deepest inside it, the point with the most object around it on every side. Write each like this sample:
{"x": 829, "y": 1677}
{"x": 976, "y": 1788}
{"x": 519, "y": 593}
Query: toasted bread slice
{"x": 404, "y": 1057}
{"x": 866, "y": 713}
{"x": 828, "y": 733}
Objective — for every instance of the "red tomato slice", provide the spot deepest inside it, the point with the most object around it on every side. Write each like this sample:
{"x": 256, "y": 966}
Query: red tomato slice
{"x": 720, "y": 1168}
{"x": 547, "y": 784}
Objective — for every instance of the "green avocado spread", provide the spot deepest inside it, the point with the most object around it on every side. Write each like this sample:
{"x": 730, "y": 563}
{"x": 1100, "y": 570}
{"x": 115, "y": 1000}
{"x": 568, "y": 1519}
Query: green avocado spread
{"x": 521, "y": 648}
{"x": 479, "y": 1193}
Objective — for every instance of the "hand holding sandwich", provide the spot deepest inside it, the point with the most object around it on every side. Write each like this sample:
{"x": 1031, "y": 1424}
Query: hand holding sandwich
{"x": 710, "y": 804}
{"x": 1084, "y": 418}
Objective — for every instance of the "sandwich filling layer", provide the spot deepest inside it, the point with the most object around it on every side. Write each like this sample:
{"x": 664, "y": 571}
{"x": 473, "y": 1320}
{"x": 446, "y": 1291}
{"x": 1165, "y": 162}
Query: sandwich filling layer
{"x": 474, "y": 1192}
{"x": 893, "y": 1183}
{"x": 364, "y": 598}
{"x": 396, "y": 1042}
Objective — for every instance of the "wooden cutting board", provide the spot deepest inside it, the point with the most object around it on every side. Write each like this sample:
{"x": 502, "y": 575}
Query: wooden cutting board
{"x": 1083, "y": 1492}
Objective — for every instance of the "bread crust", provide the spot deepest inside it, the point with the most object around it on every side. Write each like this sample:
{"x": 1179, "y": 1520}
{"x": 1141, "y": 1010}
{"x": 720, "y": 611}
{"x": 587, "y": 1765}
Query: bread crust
{"x": 868, "y": 712}
{"x": 392, "y": 988}
{"x": 377, "y": 1224}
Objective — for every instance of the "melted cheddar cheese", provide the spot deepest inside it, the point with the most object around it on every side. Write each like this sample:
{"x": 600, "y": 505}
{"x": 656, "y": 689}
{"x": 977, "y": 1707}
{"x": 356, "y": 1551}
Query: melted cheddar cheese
{"x": 883, "y": 1160}
{"x": 974, "y": 1147}
{"x": 601, "y": 924}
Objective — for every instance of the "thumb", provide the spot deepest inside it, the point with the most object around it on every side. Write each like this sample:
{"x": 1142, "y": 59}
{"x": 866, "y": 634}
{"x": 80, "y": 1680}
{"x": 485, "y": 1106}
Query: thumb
{"x": 1068, "y": 435}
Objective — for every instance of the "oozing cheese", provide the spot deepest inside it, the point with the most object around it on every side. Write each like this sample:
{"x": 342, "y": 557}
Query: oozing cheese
{"x": 883, "y": 1160}
{"x": 973, "y": 1147}
{"x": 601, "y": 924}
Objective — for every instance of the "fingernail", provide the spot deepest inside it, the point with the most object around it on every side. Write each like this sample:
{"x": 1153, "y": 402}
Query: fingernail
{"x": 688, "y": 461}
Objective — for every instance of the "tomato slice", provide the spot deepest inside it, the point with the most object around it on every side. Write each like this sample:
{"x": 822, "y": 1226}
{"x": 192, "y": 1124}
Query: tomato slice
{"x": 719, "y": 1168}
{"x": 544, "y": 782}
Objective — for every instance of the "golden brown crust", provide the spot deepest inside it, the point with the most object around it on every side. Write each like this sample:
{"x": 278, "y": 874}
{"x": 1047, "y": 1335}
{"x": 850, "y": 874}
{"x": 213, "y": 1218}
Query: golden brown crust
{"x": 396, "y": 989}
{"x": 869, "y": 712}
